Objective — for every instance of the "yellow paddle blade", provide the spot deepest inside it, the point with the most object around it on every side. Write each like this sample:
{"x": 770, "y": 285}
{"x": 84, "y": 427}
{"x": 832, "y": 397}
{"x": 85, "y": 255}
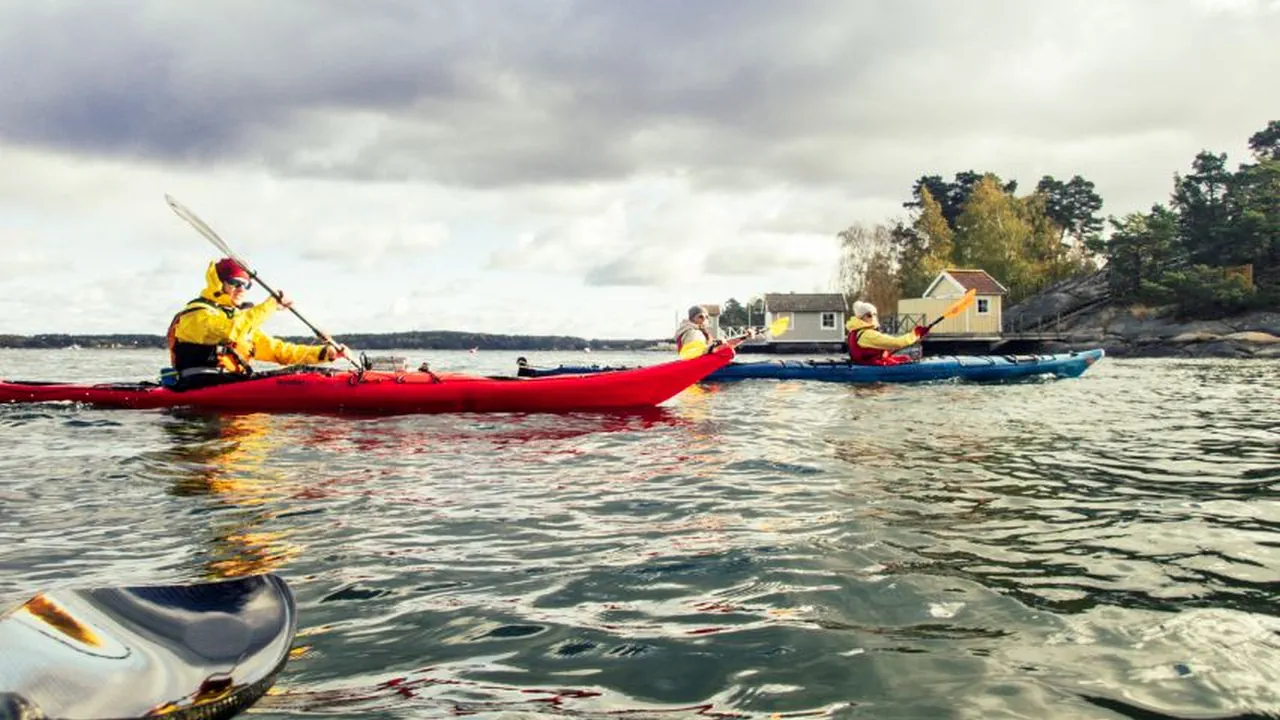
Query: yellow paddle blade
{"x": 779, "y": 326}
{"x": 693, "y": 350}
{"x": 959, "y": 306}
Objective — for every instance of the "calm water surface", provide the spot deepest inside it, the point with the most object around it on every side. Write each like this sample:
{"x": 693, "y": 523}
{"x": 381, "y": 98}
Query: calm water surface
{"x": 1103, "y": 547}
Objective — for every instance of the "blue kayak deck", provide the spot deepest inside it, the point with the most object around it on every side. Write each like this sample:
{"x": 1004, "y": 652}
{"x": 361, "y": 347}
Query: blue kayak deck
{"x": 967, "y": 367}
{"x": 978, "y": 368}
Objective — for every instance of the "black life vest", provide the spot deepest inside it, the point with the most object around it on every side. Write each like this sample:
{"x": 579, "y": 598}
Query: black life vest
{"x": 188, "y": 356}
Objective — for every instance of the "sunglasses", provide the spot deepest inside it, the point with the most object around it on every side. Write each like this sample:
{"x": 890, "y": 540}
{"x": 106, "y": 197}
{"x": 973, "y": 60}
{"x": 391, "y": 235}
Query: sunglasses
{"x": 238, "y": 283}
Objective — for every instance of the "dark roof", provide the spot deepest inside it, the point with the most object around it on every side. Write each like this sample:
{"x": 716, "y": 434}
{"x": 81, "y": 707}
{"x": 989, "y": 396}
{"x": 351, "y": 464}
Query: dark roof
{"x": 804, "y": 302}
{"x": 977, "y": 280}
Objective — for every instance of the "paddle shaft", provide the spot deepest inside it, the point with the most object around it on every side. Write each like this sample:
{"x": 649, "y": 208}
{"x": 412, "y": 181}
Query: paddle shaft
{"x": 319, "y": 333}
{"x": 777, "y": 327}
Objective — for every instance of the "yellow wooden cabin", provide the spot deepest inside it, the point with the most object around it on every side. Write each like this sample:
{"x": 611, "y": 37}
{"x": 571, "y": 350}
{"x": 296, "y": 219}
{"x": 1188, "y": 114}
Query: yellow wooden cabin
{"x": 982, "y": 319}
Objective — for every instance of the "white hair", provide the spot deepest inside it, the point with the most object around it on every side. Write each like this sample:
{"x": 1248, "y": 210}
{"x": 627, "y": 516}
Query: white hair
{"x": 861, "y": 308}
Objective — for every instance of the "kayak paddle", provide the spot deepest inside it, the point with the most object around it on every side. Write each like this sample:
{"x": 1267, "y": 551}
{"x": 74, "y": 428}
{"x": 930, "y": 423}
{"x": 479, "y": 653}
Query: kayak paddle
{"x": 956, "y": 308}
{"x": 694, "y": 349}
{"x": 953, "y": 310}
{"x": 218, "y": 242}
{"x": 192, "y": 652}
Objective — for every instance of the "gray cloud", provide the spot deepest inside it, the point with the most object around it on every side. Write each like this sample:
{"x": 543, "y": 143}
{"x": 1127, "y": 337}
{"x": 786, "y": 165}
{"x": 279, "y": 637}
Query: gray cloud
{"x": 743, "y": 93}
{"x": 628, "y": 272}
{"x": 755, "y": 261}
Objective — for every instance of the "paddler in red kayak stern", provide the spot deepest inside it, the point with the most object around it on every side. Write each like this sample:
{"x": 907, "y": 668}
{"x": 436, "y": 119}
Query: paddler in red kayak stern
{"x": 213, "y": 338}
{"x": 694, "y": 338}
{"x": 694, "y": 333}
{"x": 869, "y": 346}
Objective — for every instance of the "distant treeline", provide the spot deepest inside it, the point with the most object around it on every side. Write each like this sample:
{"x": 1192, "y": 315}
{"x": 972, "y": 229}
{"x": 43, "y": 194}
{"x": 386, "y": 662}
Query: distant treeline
{"x": 429, "y": 340}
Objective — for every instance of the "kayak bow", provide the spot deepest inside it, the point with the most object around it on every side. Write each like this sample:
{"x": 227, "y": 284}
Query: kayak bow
{"x": 195, "y": 652}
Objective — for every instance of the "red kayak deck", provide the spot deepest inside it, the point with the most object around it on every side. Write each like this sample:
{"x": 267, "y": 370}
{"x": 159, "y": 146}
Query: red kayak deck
{"x": 376, "y": 392}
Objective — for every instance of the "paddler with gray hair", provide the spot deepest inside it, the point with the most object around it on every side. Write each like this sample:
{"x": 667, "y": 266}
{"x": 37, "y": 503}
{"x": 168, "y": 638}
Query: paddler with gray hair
{"x": 869, "y": 346}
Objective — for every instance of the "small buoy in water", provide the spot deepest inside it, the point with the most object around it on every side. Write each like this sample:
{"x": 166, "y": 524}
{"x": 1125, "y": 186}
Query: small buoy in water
{"x": 586, "y": 349}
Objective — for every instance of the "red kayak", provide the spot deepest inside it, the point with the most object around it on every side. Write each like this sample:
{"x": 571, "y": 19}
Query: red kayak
{"x": 324, "y": 390}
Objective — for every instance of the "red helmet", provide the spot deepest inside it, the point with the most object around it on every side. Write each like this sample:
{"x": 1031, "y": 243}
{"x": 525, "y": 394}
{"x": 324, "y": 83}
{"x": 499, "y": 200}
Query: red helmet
{"x": 228, "y": 269}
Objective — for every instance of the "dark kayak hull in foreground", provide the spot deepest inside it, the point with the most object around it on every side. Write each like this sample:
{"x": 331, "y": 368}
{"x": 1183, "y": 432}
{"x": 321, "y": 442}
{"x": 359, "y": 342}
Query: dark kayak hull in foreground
{"x": 321, "y": 390}
{"x": 198, "y": 652}
{"x": 976, "y": 368}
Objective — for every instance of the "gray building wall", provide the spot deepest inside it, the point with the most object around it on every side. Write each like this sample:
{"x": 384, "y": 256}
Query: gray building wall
{"x": 807, "y": 327}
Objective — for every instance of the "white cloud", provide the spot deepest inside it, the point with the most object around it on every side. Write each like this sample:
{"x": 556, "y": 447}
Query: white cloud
{"x": 353, "y": 245}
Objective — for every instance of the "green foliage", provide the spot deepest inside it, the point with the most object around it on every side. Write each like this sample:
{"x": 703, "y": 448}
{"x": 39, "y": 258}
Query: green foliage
{"x": 977, "y": 221}
{"x": 1204, "y": 212}
{"x": 1265, "y": 144}
{"x": 1219, "y": 219}
{"x": 932, "y": 251}
{"x": 989, "y": 234}
{"x": 1255, "y": 196}
{"x": 1219, "y": 228}
{"x": 1143, "y": 247}
{"x": 1073, "y": 206}
{"x": 733, "y": 314}
{"x": 951, "y": 196}
{"x": 1202, "y": 291}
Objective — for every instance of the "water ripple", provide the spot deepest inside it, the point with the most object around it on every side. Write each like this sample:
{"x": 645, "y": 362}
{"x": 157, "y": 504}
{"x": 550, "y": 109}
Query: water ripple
{"x": 1100, "y": 547}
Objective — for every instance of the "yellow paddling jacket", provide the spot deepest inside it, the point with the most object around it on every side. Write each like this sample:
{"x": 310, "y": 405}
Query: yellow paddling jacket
{"x": 211, "y": 333}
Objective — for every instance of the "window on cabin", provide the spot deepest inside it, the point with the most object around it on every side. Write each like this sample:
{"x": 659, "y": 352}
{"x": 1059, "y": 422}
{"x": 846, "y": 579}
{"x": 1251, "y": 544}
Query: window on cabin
{"x": 828, "y": 321}
{"x": 984, "y": 306}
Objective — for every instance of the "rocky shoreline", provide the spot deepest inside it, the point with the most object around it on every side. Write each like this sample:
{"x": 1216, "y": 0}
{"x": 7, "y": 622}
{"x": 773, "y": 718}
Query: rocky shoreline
{"x": 1125, "y": 332}
{"x": 1088, "y": 319}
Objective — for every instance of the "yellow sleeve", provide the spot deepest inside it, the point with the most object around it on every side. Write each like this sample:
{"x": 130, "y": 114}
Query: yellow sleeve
{"x": 879, "y": 341}
{"x": 278, "y": 351}
{"x": 253, "y": 318}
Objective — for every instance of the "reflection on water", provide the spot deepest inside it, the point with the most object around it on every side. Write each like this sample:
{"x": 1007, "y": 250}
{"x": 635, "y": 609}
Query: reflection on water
{"x": 226, "y": 457}
{"x": 1098, "y": 547}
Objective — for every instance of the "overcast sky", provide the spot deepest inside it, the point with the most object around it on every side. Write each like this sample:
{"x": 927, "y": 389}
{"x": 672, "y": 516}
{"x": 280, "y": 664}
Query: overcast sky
{"x": 554, "y": 166}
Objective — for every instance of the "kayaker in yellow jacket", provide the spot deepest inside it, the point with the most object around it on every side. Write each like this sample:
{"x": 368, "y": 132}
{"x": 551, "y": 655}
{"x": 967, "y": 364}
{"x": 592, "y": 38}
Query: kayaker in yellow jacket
{"x": 213, "y": 339}
{"x": 869, "y": 346}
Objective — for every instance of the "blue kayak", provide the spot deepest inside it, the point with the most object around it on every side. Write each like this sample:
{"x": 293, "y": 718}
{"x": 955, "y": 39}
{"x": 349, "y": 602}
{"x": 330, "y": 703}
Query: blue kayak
{"x": 977, "y": 368}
